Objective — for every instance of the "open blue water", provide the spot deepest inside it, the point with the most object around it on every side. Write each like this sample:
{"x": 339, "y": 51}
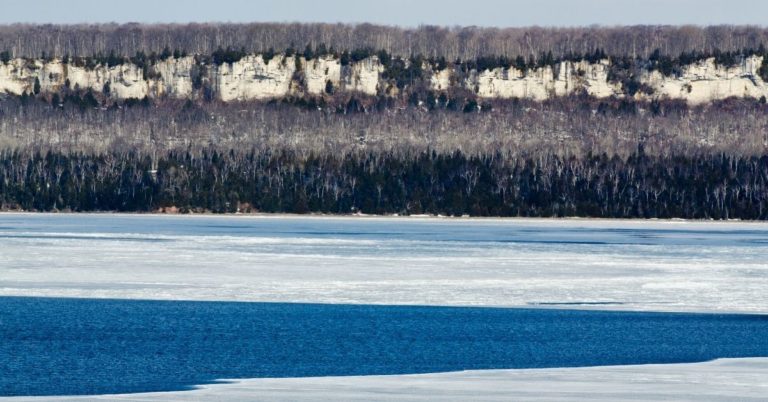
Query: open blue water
{"x": 53, "y": 346}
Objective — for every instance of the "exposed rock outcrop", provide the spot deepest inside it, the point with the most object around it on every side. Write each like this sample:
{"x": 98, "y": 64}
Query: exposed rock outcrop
{"x": 18, "y": 76}
{"x": 705, "y": 81}
{"x": 364, "y": 76}
{"x": 319, "y": 72}
{"x": 175, "y": 77}
{"x": 565, "y": 78}
{"x": 253, "y": 77}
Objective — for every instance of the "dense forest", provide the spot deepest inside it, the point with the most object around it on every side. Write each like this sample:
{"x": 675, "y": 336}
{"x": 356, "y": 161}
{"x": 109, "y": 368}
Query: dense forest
{"x": 574, "y": 156}
{"x": 700, "y": 187}
{"x": 448, "y": 153}
{"x": 457, "y": 43}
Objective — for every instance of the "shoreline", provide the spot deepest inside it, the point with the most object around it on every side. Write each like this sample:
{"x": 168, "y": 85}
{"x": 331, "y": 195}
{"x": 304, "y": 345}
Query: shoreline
{"x": 424, "y": 217}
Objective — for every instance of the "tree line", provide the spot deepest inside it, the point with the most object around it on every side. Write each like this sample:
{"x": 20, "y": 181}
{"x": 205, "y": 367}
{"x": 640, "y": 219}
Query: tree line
{"x": 638, "y": 186}
{"x": 431, "y": 42}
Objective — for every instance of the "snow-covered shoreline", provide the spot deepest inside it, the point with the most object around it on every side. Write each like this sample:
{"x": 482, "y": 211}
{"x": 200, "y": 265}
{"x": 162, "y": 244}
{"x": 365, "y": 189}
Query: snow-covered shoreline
{"x": 416, "y": 217}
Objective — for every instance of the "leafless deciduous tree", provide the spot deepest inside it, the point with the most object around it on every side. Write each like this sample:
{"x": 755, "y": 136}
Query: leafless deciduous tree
{"x": 22, "y": 40}
{"x": 564, "y": 126}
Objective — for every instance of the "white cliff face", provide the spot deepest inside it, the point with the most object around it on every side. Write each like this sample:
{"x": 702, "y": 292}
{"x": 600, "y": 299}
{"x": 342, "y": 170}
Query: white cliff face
{"x": 545, "y": 82}
{"x": 252, "y": 78}
{"x": 84, "y": 78}
{"x": 705, "y": 81}
{"x": 592, "y": 78}
{"x": 18, "y": 76}
{"x": 364, "y": 76}
{"x": 52, "y": 76}
{"x": 513, "y": 83}
{"x": 319, "y": 72}
{"x": 441, "y": 80}
{"x": 175, "y": 77}
{"x": 125, "y": 81}
{"x": 700, "y": 82}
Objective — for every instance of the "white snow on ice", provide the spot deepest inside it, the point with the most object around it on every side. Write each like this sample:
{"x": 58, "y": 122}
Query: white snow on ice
{"x": 627, "y": 265}
{"x": 720, "y": 380}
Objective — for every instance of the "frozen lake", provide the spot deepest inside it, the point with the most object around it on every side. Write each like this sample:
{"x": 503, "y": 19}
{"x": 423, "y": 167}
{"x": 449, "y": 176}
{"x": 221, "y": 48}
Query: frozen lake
{"x": 625, "y": 265}
{"x": 554, "y": 264}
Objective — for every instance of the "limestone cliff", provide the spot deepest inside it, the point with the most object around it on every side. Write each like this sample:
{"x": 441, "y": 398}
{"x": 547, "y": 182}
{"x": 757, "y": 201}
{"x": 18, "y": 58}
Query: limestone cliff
{"x": 253, "y": 77}
{"x": 319, "y": 72}
{"x": 564, "y": 79}
{"x": 364, "y": 76}
{"x": 175, "y": 77}
{"x": 704, "y": 81}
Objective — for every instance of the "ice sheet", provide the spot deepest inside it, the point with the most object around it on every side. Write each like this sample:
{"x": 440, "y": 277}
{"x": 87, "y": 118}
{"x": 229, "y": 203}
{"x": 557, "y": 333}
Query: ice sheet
{"x": 720, "y": 380}
{"x": 628, "y": 265}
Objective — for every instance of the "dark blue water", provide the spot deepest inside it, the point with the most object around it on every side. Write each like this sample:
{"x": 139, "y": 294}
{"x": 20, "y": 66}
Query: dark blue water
{"x": 54, "y": 346}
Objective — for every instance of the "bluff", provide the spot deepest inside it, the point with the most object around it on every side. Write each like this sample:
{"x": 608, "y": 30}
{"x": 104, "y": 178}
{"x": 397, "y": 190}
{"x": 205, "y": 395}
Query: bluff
{"x": 263, "y": 77}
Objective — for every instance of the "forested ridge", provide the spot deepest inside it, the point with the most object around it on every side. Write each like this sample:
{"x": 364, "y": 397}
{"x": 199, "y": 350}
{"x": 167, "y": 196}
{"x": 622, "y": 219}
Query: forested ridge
{"x": 569, "y": 157}
{"x": 421, "y": 152}
{"x": 403, "y": 52}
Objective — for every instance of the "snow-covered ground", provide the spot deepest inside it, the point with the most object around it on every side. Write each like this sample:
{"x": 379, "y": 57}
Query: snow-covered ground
{"x": 720, "y": 380}
{"x": 628, "y": 265}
